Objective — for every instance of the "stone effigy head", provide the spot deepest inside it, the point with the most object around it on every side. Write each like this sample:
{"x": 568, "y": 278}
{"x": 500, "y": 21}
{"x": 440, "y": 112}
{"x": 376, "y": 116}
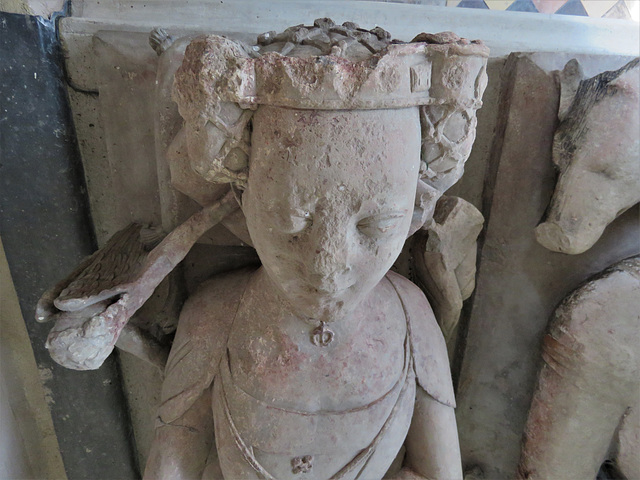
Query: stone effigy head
{"x": 596, "y": 151}
{"x": 340, "y": 140}
{"x": 328, "y": 219}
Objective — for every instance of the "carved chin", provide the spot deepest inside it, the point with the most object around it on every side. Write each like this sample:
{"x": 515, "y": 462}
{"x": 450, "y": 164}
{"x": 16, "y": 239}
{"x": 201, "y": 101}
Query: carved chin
{"x": 321, "y": 308}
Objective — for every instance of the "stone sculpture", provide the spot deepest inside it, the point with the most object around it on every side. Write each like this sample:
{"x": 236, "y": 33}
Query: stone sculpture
{"x": 337, "y": 142}
{"x": 445, "y": 261}
{"x": 585, "y": 407}
{"x": 91, "y": 307}
{"x": 441, "y": 259}
{"x": 596, "y": 146}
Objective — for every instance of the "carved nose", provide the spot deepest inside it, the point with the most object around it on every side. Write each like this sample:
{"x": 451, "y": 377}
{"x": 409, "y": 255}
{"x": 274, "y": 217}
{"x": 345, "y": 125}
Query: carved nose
{"x": 329, "y": 267}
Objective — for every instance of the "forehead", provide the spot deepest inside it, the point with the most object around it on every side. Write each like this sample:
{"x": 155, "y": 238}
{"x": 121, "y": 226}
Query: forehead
{"x": 312, "y": 153}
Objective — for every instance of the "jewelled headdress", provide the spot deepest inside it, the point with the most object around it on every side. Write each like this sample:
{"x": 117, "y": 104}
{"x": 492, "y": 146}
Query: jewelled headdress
{"x": 327, "y": 67}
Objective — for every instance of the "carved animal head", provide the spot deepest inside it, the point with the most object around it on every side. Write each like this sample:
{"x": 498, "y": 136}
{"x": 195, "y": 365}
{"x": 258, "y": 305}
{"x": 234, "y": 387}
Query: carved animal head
{"x": 596, "y": 151}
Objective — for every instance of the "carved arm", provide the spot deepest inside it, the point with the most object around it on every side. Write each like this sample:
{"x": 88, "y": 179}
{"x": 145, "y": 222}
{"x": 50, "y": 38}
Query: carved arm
{"x": 93, "y": 305}
{"x": 433, "y": 451}
{"x": 181, "y": 448}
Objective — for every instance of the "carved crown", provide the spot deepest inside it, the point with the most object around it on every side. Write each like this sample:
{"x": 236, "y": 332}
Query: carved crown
{"x": 326, "y": 67}
{"x": 333, "y": 67}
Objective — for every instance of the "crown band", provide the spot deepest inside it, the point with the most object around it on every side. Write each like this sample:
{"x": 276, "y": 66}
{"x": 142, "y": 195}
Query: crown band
{"x": 401, "y": 75}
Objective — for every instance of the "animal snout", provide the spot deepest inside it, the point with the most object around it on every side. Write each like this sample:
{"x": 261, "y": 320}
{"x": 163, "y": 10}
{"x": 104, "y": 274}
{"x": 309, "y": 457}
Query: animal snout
{"x": 570, "y": 236}
{"x": 553, "y": 237}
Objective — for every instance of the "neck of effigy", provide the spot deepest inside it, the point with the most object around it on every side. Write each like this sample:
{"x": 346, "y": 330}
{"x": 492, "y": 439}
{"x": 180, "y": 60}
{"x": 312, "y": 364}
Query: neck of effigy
{"x": 323, "y": 324}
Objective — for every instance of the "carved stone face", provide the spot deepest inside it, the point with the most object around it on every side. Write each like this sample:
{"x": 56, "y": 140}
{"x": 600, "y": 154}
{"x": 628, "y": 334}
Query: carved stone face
{"x": 329, "y": 201}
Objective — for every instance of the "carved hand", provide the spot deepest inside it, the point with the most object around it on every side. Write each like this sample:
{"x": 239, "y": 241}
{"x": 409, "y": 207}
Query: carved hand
{"x": 92, "y": 306}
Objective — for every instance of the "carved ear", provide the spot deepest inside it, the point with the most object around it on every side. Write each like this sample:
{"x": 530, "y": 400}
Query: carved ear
{"x": 570, "y": 78}
{"x": 628, "y": 79}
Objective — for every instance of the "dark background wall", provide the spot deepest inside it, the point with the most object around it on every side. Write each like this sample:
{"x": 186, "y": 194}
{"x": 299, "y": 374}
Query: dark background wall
{"x": 46, "y": 230}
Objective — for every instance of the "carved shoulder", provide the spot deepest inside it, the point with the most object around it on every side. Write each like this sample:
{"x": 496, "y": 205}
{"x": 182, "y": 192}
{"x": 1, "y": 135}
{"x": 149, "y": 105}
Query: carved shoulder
{"x": 430, "y": 359}
{"x": 201, "y": 338}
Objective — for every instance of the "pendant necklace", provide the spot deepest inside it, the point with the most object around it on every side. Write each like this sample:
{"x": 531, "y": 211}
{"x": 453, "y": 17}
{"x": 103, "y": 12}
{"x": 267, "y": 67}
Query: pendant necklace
{"x": 322, "y": 335}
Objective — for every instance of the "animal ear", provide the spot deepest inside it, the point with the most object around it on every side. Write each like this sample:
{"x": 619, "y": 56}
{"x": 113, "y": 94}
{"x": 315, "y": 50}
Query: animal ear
{"x": 628, "y": 79}
{"x": 569, "y": 78}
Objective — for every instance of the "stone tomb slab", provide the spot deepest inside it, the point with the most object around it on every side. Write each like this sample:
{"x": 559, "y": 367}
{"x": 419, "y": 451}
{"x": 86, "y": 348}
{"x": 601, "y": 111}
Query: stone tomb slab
{"x": 519, "y": 282}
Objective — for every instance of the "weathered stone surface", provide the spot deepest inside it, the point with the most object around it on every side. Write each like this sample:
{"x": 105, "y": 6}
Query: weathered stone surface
{"x": 597, "y": 153}
{"x": 506, "y": 33}
{"x": 587, "y": 396}
{"x": 180, "y": 181}
{"x": 351, "y": 76}
{"x": 329, "y": 198}
{"x": 205, "y": 261}
{"x": 141, "y": 384}
{"x": 175, "y": 204}
{"x": 314, "y": 272}
{"x": 216, "y": 128}
{"x": 125, "y": 129}
{"x": 471, "y": 185}
{"x": 444, "y": 256}
{"x": 94, "y": 303}
{"x": 519, "y": 282}
{"x": 627, "y": 444}
{"x": 123, "y": 185}
{"x": 363, "y": 183}
{"x": 220, "y": 75}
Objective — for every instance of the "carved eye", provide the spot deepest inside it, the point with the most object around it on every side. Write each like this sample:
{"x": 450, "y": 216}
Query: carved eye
{"x": 378, "y": 226}
{"x": 296, "y": 222}
{"x": 605, "y": 169}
